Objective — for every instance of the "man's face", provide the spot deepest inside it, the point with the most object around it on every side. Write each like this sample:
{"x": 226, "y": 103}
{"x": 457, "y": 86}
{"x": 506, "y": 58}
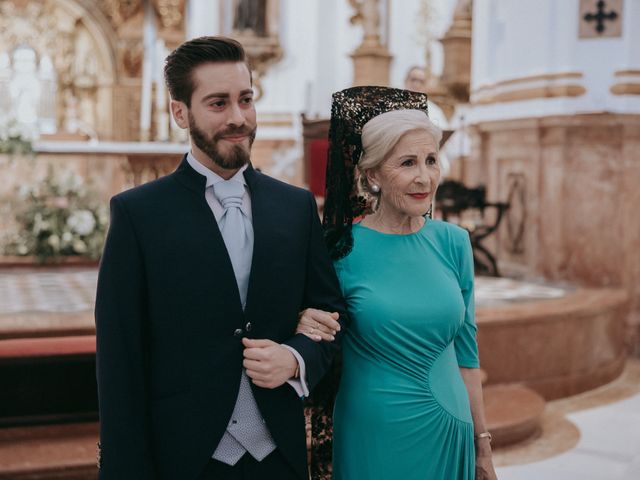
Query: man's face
{"x": 415, "y": 81}
{"x": 222, "y": 117}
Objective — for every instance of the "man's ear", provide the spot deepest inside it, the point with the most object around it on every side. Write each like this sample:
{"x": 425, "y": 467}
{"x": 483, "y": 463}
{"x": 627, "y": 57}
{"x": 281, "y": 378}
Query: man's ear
{"x": 180, "y": 113}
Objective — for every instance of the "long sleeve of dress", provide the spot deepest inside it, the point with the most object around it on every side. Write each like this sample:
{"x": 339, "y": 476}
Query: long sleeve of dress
{"x": 465, "y": 342}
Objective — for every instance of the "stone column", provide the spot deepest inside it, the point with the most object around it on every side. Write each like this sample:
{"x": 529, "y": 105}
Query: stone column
{"x": 371, "y": 60}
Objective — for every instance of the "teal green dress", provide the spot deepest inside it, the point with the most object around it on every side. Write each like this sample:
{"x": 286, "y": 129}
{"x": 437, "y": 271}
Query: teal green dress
{"x": 402, "y": 410}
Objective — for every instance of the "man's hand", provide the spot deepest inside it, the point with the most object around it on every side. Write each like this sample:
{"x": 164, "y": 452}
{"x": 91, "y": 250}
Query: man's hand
{"x": 268, "y": 364}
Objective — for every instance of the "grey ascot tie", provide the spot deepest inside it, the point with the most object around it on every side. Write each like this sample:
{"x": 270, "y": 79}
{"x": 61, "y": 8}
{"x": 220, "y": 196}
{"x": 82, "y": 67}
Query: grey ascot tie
{"x": 246, "y": 430}
{"x": 237, "y": 232}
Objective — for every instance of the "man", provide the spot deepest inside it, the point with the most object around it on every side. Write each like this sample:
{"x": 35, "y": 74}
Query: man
{"x": 200, "y": 374}
{"x": 415, "y": 80}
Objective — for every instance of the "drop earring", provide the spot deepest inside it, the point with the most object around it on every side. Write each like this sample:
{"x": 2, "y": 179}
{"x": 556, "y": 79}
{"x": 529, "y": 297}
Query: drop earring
{"x": 375, "y": 188}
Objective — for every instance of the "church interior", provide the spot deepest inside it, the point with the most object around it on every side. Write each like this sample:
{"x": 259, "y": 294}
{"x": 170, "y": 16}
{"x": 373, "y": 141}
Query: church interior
{"x": 540, "y": 104}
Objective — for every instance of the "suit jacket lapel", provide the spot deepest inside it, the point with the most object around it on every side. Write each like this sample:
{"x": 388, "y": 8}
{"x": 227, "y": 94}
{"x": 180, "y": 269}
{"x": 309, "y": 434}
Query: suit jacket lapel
{"x": 215, "y": 254}
{"x": 260, "y": 210}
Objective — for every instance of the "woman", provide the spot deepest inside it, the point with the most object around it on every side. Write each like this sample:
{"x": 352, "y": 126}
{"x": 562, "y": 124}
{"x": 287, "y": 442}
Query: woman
{"x": 409, "y": 405}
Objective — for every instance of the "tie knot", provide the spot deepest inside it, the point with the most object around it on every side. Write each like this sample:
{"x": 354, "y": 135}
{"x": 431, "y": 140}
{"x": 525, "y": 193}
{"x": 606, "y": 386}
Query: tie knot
{"x": 229, "y": 193}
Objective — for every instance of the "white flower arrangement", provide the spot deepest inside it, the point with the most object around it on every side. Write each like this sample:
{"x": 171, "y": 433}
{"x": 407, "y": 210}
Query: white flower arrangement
{"x": 15, "y": 138}
{"x": 58, "y": 217}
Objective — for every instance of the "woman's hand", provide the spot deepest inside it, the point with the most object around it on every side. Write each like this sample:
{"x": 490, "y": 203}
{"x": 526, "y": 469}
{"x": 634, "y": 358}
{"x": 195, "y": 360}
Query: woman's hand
{"x": 484, "y": 463}
{"x": 318, "y": 325}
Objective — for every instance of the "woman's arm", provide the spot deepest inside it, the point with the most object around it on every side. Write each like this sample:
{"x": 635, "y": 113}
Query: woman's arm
{"x": 484, "y": 463}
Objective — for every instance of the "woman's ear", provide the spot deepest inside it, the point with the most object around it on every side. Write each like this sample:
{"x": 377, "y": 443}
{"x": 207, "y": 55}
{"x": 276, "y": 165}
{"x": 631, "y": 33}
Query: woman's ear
{"x": 372, "y": 178}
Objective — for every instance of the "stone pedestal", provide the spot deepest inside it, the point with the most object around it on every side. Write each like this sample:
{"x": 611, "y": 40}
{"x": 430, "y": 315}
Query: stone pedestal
{"x": 572, "y": 184}
{"x": 371, "y": 65}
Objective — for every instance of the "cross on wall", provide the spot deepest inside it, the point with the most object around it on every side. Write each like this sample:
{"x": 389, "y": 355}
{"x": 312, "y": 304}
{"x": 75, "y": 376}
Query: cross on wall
{"x": 600, "y": 16}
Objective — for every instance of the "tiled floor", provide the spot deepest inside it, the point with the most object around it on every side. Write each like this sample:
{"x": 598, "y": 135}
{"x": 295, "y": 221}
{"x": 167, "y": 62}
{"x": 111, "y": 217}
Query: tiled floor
{"x": 607, "y": 444}
{"x": 52, "y": 291}
{"x": 66, "y": 291}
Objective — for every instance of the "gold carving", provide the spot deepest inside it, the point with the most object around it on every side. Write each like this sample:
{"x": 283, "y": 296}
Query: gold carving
{"x": 258, "y": 36}
{"x": 262, "y": 53}
{"x": 132, "y": 58}
{"x": 171, "y": 13}
{"x": 143, "y": 168}
{"x": 79, "y": 54}
{"x": 119, "y": 11}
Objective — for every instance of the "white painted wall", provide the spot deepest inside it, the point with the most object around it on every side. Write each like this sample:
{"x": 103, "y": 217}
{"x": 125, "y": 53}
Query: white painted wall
{"x": 518, "y": 39}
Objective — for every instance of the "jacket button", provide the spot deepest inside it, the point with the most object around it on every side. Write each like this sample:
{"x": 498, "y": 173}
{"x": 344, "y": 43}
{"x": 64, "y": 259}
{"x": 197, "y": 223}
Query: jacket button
{"x": 237, "y": 332}
{"x": 248, "y": 326}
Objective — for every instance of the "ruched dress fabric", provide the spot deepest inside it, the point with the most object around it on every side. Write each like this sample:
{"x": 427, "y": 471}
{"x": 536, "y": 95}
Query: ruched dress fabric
{"x": 402, "y": 409}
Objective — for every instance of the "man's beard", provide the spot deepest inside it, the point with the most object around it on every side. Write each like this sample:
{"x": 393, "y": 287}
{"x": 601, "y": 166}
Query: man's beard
{"x": 235, "y": 157}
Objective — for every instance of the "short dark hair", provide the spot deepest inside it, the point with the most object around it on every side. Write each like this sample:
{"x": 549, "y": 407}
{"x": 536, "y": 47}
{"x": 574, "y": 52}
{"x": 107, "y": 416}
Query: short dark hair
{"x": 180, "y": 64}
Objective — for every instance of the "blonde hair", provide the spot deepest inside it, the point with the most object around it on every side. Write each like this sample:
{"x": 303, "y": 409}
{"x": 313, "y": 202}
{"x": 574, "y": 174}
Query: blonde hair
{"x": 382, "y": 133}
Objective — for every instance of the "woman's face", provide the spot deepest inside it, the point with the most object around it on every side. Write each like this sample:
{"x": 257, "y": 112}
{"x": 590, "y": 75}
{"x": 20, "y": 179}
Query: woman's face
{"x": 408, "y": 178}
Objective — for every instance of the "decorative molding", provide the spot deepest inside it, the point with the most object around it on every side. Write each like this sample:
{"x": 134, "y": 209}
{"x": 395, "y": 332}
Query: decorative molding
{"x": 530, "y": 78}
{"x": 516, "y": 217}
{"x": 629, "y": 84}
{"x": 625, "y": 89}
{"x": 530, "y": 87}
{"x": 627, "y": 73}
{"x": 532, "y": 93}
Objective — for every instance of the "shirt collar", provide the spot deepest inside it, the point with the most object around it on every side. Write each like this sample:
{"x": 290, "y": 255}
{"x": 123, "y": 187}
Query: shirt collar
{"x": 213, "y": 177}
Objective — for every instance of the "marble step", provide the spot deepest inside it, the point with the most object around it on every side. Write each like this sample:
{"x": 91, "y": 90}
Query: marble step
{"x": 49, "y": 452}
{"x": 68, "y": 451}
{"x": 513, "y": 413}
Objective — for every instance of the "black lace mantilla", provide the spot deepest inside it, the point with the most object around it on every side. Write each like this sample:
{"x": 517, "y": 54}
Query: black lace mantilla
{"x": 351, "y": 109}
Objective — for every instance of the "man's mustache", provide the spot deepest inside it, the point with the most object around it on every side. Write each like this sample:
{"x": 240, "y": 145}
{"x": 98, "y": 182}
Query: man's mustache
{"x": 234, "y": 132}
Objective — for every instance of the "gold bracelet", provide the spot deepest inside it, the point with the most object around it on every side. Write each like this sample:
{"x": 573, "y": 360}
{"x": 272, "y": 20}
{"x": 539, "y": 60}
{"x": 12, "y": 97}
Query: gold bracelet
{"x": 483, "y": 435}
